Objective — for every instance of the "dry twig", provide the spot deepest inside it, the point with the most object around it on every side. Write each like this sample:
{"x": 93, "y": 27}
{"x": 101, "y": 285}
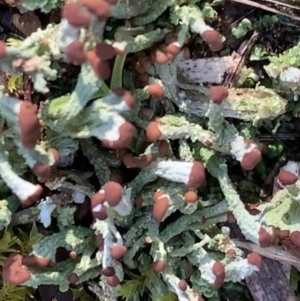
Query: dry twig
{"x": 275, "y": 7}
{"x": 270, "y": 283}
{"x": 241, "y": 55}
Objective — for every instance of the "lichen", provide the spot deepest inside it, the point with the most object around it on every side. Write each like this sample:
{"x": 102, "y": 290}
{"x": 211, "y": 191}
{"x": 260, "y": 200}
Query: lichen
{"x": 79, "y": 150}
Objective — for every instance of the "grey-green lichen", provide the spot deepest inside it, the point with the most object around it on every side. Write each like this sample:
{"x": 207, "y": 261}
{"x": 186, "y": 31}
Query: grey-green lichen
{"x": 155, "y": 221}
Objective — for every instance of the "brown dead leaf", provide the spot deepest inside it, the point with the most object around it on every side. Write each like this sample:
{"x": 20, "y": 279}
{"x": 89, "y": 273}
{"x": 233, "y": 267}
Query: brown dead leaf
{"x": 27, "y": 23}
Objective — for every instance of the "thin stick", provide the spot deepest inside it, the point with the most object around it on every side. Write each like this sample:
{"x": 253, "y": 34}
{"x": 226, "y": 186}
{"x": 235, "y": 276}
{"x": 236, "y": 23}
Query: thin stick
{"x": 273, "y": 10}
{"x": 283, "y": 4}
{"x": 274, "y": 253}
{"x": 243, "y": 53}
{"x": 270, "y": 283}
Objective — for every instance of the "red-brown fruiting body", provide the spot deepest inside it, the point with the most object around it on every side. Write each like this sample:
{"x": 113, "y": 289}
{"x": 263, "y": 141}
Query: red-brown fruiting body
{"x": 252, "y": 158}
{"x": 213, "y": 39}
{"x": 144, "y": 161}
{"x": 126, "y": 132}
{"x": 108, "y": 271}
{"x": 98, "y": 199}
{"x": 32, "y": 199}
{"x": 113, "y": 193}
{"x": 101, "y": 214}
{"x": 197, "y": 176}
{"x": 156, "y": 91}
{"x": 266, "y": 238}
{"x": 132, "y": 162}
{"x": 218, "y": 270}
{"x": 105, "y": 51}
{"x": 157, "y": 194}
{"x": 191, "y": 197}
{"x": 101, "y": 67}
{"x": 295, "y": 238}
{"x": 148, "y": 240}
{"x": 173, "y": 48}
{"x": 160, "y": 208}
{"x": 73, "y": 255}
{"x": 163, "y": 148}
{"x": 117, "y": 252}
{"x": 13, "y": 270}
{"x": 2, "y": 50}
{"x": 43, "y": 171}
{"x": 285, "y": 178}
{"x": 75, "y": 53}
{"x": 126, "y": 97}
{"x": 283, "y": 234}
{"x": 98, "y": 210}
{"x": 113, "y": 281}
{"x": 160, "y": 57}
{"x": 30, "y": 128}
{"x": 255, "y": 259}
{"x": 76, "y": 17}
{"x": 289, "y": 246}
{"x": 33, "y": 261}
{"x": 217, "y": 94}
{"x": 183, "y": 285}
{"x": 101, "y": 9}
{"x": 73, "y": 278}
{"x": 153, "y": 132}
{"x": 158, "y": 266}
{"x": 163, "y": 48}
{"x": 129, "y": 161}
